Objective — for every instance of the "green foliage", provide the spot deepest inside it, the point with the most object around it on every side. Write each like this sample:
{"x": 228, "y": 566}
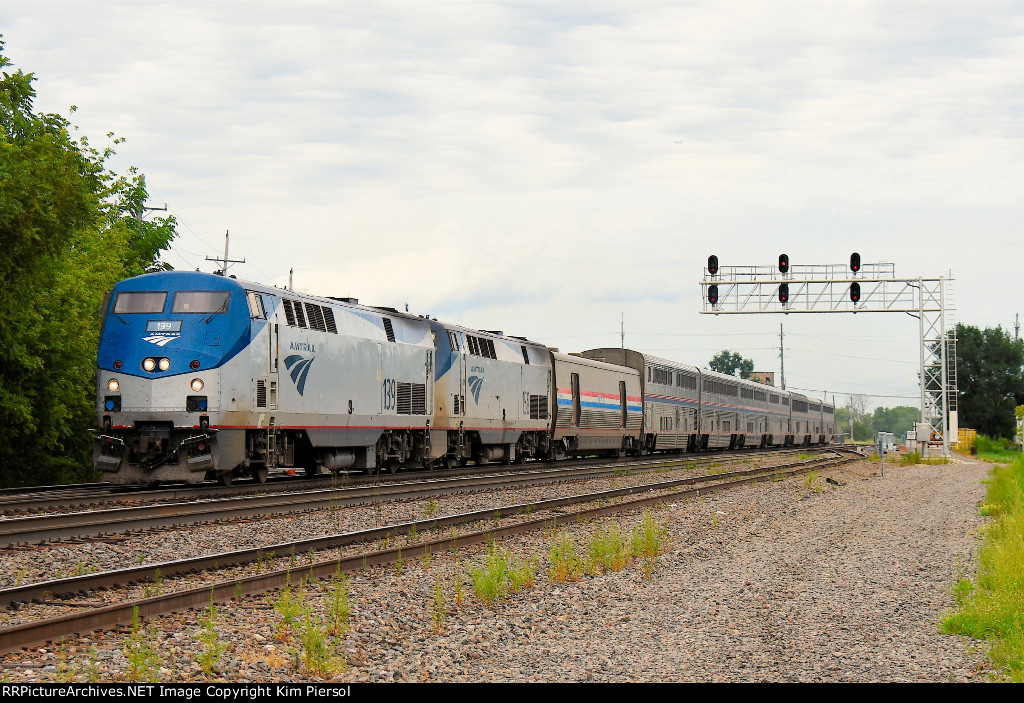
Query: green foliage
{"x": 565, "y": 561}
{"x": 499, "y": 573}
{"x": 648, "y": 540}
{"x": 339, "y": 606}
{"x": 996, "y": 449}
{"x": 607, "y": 551}
{"x": 731, "y": 364}
{"x": 992, "y": 608}
{"x": 140, "y": 651}
{"x": 213, "y": 648}
{"x": 898, "y": 420}
{"x": 69, "y": 229}
{"x": 990, "y": 377}
{"x": 290, "y": 605}
{"x": 440, "y": 611}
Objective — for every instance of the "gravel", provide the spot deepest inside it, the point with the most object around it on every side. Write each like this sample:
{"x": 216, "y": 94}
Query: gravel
{"x": 780, "y": 581}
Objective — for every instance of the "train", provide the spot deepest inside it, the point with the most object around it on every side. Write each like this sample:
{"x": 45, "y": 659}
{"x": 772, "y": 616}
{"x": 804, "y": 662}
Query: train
{"x": 206, "y": 377}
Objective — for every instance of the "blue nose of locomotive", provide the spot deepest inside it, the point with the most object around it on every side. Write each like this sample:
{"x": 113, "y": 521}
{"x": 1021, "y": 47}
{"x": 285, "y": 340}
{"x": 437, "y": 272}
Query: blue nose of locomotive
{"x": 170, "y": 323}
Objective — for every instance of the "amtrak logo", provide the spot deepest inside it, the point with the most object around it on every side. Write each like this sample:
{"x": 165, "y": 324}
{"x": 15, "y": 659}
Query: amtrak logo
{"x": 298, "y": 368}
{"x": 161, "y": 339}
{"x": 475, "y": 384}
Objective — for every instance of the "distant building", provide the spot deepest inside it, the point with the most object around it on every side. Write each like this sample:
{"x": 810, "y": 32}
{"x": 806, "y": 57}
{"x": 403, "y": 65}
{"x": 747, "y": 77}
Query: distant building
{"x": 765, "y": 377}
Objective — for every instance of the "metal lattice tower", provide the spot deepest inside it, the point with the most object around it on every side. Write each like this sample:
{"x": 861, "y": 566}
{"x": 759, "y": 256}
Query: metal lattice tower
{"x": 818, "y": 289}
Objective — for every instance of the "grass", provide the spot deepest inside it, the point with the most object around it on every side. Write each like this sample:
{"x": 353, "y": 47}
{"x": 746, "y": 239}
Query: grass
{"x": 992, "y": 607}
{"x": 996, "y": 450}
{"x": 911, "y": 458}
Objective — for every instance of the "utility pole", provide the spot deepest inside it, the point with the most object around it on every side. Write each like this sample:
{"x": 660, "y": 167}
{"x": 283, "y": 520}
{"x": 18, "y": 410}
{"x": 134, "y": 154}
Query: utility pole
{"x": 290, "y": 272}
{"x": 226, "y": 260}
{"x": 1016, "y": 327}
{"x": 147, "y": 208}
{"x": 782, "y": 359}
{"x": 622, "y": 329}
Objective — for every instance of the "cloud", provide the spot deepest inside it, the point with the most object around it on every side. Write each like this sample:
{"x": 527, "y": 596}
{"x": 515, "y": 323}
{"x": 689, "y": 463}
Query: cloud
{"x": 555, "y": 165}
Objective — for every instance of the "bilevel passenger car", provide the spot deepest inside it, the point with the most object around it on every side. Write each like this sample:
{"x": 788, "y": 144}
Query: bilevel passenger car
{"x": 690, "y": 409}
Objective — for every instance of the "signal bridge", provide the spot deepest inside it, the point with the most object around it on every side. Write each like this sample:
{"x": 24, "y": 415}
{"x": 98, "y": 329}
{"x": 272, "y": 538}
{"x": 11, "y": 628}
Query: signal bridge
{"x": 871, "y": 288}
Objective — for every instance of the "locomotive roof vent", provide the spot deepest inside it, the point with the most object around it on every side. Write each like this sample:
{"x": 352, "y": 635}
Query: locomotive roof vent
{"x": 497, "y": 333}
{"x": 353, "y": 301}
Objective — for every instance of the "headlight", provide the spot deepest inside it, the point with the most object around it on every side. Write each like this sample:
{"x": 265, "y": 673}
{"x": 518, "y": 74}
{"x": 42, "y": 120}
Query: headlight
{"x": 165, "y": 364}
{"x": 148, "y": 364}
{"x": 197, "y": 384}
{"x": 113, "y": 385}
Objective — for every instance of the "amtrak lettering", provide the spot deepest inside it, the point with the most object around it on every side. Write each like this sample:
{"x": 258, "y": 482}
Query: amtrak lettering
{"x": 302, "y": 346}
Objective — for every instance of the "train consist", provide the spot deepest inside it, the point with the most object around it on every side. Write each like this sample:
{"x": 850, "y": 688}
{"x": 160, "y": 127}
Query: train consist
{"x": 202, "y": 376}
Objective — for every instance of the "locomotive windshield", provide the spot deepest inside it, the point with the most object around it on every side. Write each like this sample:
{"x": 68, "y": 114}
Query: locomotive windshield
{"x": 140, "y": 302}
{"x": 200, "y": 301}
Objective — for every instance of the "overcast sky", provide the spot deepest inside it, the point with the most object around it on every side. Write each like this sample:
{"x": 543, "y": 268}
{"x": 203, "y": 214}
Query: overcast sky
{"x": 545, "y": 168}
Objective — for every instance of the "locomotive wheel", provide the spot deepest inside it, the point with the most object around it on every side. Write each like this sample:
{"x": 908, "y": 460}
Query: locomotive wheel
{"x": 448, "y": 462}
{"x": 224, "y": 479}
{"x": 393, "y": 465}
{"x": 259, "y": 474}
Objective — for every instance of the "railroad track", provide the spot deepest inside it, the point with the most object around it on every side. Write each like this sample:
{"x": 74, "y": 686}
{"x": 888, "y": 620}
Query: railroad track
{"x": 38, "y": 529}
{"x": 40, "y": 499}
{"x": 106, "y": 617}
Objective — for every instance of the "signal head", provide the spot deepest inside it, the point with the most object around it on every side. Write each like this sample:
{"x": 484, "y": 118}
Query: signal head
{"x": 855, "y": 262}
{"x": 783, "y": 263}
{"x": 855, "y": 292}
{"x": 713, "y": 265}
{"x": 713, "y": 294}
{"x": 784, "y": 293}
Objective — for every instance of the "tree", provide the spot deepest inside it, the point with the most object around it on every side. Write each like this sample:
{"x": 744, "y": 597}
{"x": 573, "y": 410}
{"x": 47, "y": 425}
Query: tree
{"x": 990, "y": 376}
{"x": 898, "y": 420}
{"x": 731, "y": 364}
{"x": 69, "y": 230}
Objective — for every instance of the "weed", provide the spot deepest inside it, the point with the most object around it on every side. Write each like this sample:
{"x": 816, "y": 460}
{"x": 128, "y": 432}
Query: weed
{"x": 20, "y": 576}
{"x": 811, "y": 482}
{"x": 140, "y": 651}
{"x": 500, "y": 572}
{"x": 439, "y": 611}
{"x": 412, "y": 533}
{"x": 318, "y": 649}
{"x": 81, "y": 569}
{"x": 213, "y": 648}
{"x": 65, "y": 674}
{"x": 339, "y": 607}
{"x": 92, "y": 666}
{"x": 425, "y": 557}
{"x": 290, "y": 605}
{"x": 647, "y": 543}
{"x": 398, "y": 562}
{"x": 155, "y": 587}
{"x": 238, "y": 591}
{"x": 607, "y": 551}
{"x": 566, "y": 564}
{"x": 430, "y": 509}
